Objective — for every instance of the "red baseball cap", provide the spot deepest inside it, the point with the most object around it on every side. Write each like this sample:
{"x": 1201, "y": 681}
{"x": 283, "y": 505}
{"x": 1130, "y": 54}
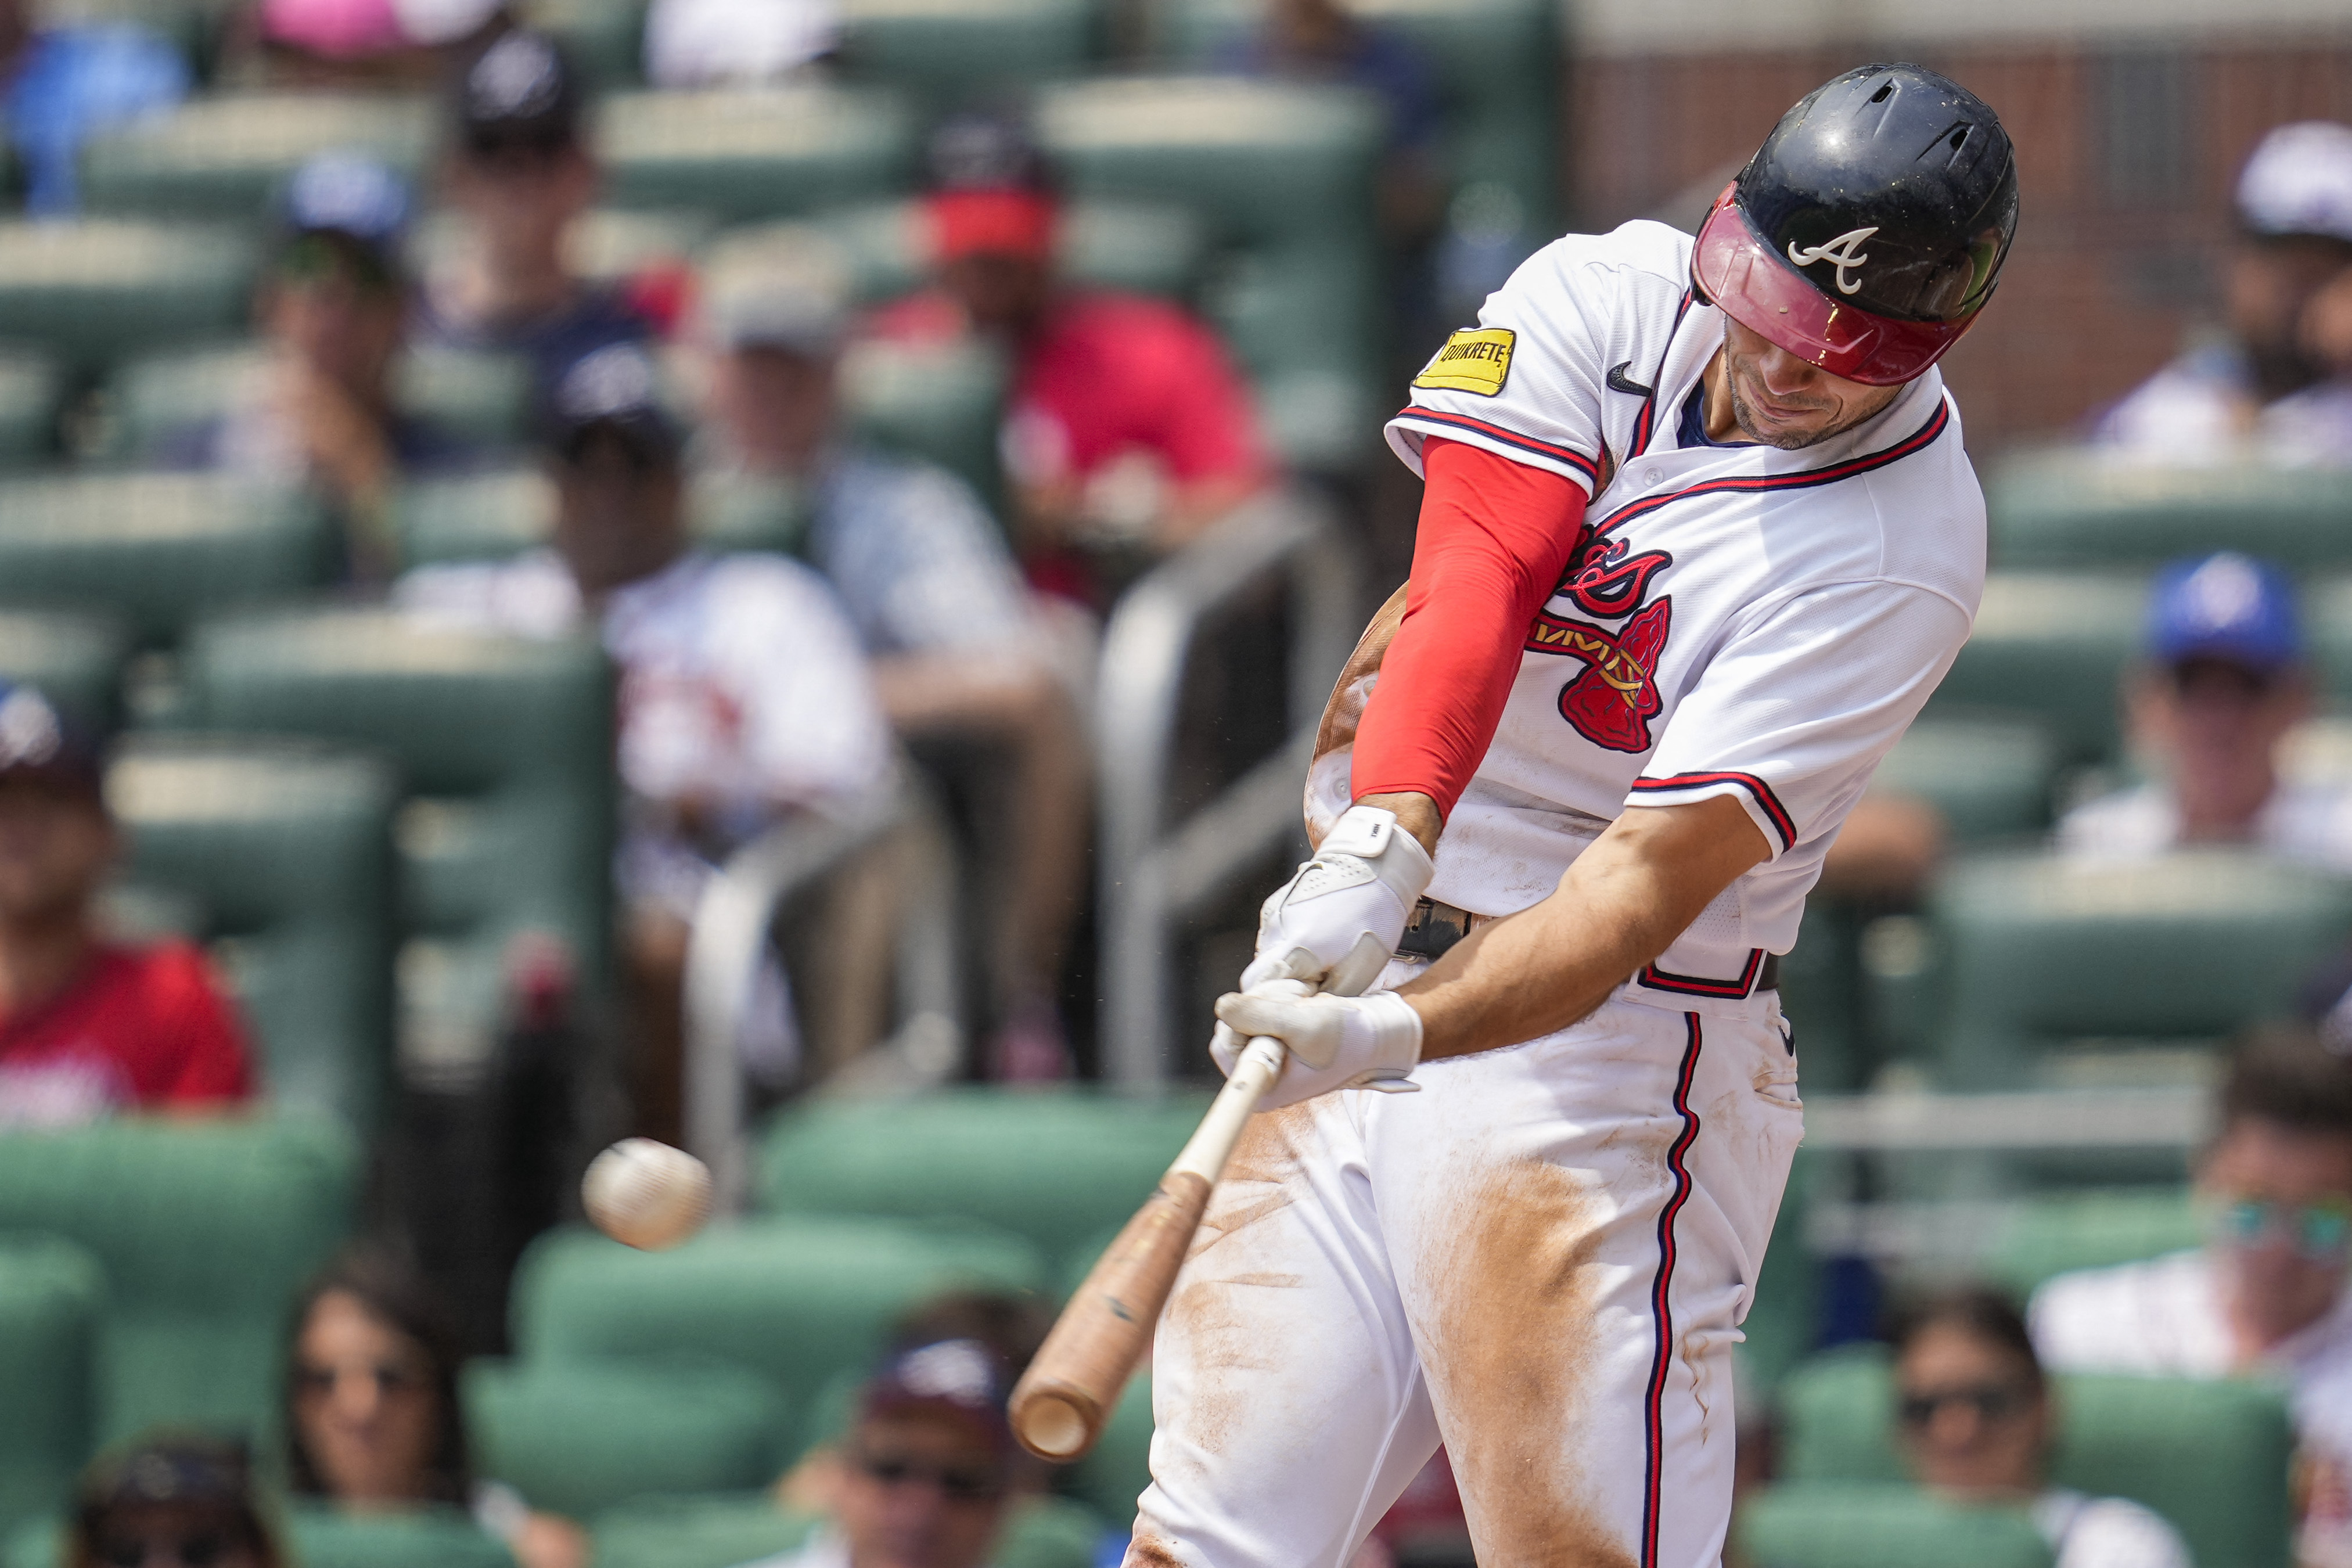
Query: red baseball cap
{"x": 999, "y": 222}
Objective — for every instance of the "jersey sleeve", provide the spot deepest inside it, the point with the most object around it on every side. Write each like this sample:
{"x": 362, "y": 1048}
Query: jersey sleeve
{"x": 1526, "y": 382}
{"x": 1795, "y": 711}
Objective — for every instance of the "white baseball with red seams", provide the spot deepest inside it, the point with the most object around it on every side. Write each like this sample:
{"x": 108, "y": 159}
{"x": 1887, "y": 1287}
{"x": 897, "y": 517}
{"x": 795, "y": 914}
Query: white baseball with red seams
{"x": 1544, "y": 1255}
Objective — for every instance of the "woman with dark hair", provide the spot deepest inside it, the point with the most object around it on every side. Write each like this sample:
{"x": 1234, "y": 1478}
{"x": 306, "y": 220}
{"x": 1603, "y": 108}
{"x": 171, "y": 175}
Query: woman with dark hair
{"x": 1976, "y": 1421}
{"x": 372, "y": 1420}
{"x": 170, "y": 1503}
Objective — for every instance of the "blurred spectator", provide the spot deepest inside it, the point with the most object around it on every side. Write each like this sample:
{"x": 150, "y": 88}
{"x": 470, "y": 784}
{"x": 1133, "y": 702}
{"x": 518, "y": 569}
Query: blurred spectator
{"x": 66, "y": 84}
{"x": 2256, "y": 389}
{"x": 89, "y": 1026}
{"x": 521, "y": 174}
{"x": 334, "y": 308}
{"x": 372, "y": 1421}
{"x": 727, "y": 43}
{"x": 396, "y": 44}
{"x": 2222, "y": 684}
{"x": 959, "y": 654}
{"x": 1975, "y": 1418}
{"x": 743, "y": 693}
{"x": 181, "y": 1502}
{"x": 1130, "y": 428}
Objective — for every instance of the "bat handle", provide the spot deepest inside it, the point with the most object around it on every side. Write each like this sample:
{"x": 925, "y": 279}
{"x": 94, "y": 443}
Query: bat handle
{"x": 1212, "y": 1144}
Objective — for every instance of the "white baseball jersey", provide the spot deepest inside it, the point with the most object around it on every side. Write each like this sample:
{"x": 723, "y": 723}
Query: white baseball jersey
{"x": 1736, "y": 619}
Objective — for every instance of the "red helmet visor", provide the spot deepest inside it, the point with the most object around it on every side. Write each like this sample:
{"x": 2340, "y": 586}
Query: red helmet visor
{"x": 1734, "y": 268}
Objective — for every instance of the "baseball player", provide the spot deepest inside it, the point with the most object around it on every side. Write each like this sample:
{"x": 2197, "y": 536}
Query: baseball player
{"x": 1698, "y": 540}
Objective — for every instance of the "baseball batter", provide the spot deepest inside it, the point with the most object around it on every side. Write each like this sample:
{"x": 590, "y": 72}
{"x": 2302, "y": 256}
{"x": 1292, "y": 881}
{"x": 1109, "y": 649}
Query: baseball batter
{"x": 1698, "y": 540}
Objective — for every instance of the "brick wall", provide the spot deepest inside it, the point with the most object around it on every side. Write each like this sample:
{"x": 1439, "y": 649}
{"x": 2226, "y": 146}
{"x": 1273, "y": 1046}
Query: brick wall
{"x": 2126, "y": 156}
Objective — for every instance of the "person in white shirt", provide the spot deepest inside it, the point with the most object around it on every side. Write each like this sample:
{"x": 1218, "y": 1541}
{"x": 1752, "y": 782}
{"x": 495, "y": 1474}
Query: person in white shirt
{"x": 2222, "y": 683}
{"x": 1976, "y": 1421}
{"x": 2265, "y": 1295}
{"x": 744, "y": 695}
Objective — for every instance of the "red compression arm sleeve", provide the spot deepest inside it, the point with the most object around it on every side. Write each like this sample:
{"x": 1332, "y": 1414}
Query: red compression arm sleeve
{"x": 1495, "y": 536}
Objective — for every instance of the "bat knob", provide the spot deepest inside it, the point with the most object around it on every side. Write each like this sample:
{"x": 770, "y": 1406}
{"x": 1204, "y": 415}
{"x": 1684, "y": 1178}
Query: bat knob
{"x": 1052, "y": 1426}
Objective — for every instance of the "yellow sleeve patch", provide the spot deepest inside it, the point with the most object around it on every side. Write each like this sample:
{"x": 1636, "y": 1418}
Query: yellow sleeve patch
{"x": 1475, "y": 358}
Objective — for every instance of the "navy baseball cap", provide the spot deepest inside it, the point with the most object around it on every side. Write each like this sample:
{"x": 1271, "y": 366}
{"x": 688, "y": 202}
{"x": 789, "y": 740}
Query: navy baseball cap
{"x": 521, "y": 93}
{"x": 2225, "y": 607}
{"x": 39, "y": 745}
{"x": 616, "y": 389}
{"x": 961, "y": 1378}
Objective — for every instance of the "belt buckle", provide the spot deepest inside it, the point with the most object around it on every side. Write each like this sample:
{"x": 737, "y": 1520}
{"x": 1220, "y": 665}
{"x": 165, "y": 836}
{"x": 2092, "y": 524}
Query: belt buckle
{"x": 1432, "y": 931}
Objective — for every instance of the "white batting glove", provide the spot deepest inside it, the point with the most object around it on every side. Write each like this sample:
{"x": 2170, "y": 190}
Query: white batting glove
{"x": 1334, "y": 1042}
{"x": 1337, "y": 923}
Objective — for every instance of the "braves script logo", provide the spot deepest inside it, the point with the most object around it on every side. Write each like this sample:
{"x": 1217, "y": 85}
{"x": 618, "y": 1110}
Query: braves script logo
{"x": 1613, "y": 699}
{"x": 1840, "y": 251}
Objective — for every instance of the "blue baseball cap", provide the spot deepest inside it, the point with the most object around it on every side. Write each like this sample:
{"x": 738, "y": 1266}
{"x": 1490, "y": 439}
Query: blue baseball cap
{"x": 2225, "y": 607}
{"x": 39, "y": 743}
{"x": 956, "y": 1377}
{"x": 352, "y": 194}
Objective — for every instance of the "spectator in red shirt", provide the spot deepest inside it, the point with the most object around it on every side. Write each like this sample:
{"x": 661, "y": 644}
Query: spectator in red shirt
{"x": 1129, "y": 424}
{"x": 88, "y": 1027}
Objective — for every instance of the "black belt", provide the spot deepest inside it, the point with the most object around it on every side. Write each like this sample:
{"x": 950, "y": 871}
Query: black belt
{"x": 1435, "y": 928}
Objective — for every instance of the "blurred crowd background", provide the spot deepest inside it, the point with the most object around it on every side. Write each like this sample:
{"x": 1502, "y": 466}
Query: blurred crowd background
{"x": 762, "y": 573}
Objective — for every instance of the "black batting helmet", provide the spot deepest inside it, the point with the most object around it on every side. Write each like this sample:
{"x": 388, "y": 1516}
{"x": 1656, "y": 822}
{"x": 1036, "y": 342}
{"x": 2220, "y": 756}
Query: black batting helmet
{"x": 1866, "y": 234}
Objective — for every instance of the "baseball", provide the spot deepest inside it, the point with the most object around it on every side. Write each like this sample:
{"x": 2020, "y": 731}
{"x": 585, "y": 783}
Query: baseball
{"x": 646, "y": 1194}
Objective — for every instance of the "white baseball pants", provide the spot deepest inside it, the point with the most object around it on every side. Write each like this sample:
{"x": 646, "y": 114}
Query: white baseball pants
{"x": 1541, "y": 1259}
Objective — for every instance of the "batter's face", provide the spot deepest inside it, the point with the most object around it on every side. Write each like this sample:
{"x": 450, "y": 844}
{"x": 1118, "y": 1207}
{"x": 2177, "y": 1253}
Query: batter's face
{"x": 1775, "y": 399}
{"x": 1973, "y": 1419}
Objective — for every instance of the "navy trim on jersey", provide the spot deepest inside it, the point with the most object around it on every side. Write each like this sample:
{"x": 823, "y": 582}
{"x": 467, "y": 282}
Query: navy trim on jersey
{"x": 1918, "y": 439}
{"x": 1589, "y": 467}
{"x": 1660, "y": 1300}
{"x": 1737, "y": 990}
{"x": 1645, "y": 422}
{"x": 1782, "y": 823}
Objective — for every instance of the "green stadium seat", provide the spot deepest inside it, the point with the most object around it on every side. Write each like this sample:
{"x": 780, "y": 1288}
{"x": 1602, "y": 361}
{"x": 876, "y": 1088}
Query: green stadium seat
{"x": 160, "y": 549}
{"x": 2085, "y": 509}
{"x": 577, "y": 1438}
{"x": 1115, "y": 1471}
{"x": 2050, "y": 647}
{"x": 30, "y": 388}
{"x": 193, "y": 27}
{"x": 91, "y": 291}
{"x": 754, "y": 153}
{"x": 605, "y": 38}
{"x": 795, "y": 1299}
{"x": 75, "y": 660}
{"x": 947, "y": 51}
{"x": 52, "y": 1301}
{"x": 1146, "y": 247}
{"x": 1784, "y": 1321}
{"x": 1990, "y": 778}
{"x": 608, "y": 244}
{"x": 2055, "y": 1232}
{"x": 285, "y": 847}
{"x": 940, "y": 402}
{"x": 483, "y": 398}
{"x": 225, "y": 157}
{"x": 427, "y": 1538}
{"x": 205, "y": 1231}
{"x": 1060, "y": 1167}
{"x": 490, "y": 515}
{"x": 1855, "y": 1525}
{"x": 2211, "y": 1457}
{"x": 727, "y": 1532}
{"x": 2041, "y": 950}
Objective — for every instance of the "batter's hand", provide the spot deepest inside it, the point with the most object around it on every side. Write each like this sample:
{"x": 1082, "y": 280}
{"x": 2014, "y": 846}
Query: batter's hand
{"x": 1334, "y": 1042}
{"x": 1335, "y": 924}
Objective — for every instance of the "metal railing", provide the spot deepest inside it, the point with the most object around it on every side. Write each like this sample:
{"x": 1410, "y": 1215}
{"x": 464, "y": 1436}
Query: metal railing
{"x": 733, "y": 925}
{"x": 1155, "y": 874}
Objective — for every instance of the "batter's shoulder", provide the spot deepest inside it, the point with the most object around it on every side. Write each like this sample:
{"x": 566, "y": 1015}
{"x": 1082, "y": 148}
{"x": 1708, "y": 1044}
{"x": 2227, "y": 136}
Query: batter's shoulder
{"x": 1639, "y": 250}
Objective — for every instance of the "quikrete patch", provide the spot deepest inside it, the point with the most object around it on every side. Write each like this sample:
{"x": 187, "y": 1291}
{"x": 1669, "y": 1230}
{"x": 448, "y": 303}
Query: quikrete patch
{"x": 1475, "y": 358}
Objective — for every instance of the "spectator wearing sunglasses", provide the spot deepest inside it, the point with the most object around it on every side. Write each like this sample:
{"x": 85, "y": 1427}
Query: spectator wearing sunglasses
{"x": 1976, "y": 1420}
{"x": 371, "y": 1420}
{"x": 2264, "y": 1296}
{"x": 171, "y": 1502}
{"x": 2222, "y": 682}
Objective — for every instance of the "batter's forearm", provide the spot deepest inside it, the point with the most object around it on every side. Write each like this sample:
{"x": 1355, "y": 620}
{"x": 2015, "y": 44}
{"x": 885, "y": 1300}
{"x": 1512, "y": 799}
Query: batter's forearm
{"x": 1414, "y": 812}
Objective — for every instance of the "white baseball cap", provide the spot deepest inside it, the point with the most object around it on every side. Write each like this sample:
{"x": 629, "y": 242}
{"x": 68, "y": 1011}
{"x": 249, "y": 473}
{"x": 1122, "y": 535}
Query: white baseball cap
{"x": 788, "y": 288}
{"x": 2299, "y": 181}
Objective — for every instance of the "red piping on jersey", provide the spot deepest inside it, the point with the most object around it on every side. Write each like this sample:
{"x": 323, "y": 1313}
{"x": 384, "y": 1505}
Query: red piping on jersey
{"x": 1644, "y": 427}
{"x": 1661, "y": 1303}
{"x": 1923, "y": 437}
{"x": 1782, "y": 823}
{"x": 1589, "y": 467}
{"x": 1737, "y": 990}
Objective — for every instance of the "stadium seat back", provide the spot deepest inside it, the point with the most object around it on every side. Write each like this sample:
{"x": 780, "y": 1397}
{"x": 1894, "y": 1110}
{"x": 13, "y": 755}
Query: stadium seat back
{"x": 285, "y": 848}
{"x": 30, "y": 388}
{"x": 2039, "y": 950}
{"x": 499, "y": 512}
{"x": 480, "y": 397}
{"x": 754, "y": 153}
{"x": 577, "y": 1438}
{"x": 1060, "y": 1167}
{"x": 795, "y": 1299}
{"x": 75, "y": 660}
{"x": 1990, "y": 778}
{"x": 949, "y": 51}
{"x": 52, "y": 1303}
{"x": 724, "y": 1532}
{"x": 2051, "y": 1234}
{"x": 2051, "y": 646}
{"x": 160, "y": 549}
{"x": 943, "y": 402}
{"x": 426, "y": 1538}
{"x": 1146, "y": 247}
{"x": 205, "y": 1231}
{"x": 1849, "y": 1525}
{"x": 226, "y": 157}
{"x": 2085, "y": 509}
{"x": 91, "y": 291}
{"x": 2210, "y": 1456}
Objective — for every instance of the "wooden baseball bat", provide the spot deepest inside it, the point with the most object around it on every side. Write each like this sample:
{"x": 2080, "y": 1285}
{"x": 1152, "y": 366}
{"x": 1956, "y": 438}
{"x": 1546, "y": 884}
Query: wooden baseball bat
{"x": 1072, "y": 1384}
